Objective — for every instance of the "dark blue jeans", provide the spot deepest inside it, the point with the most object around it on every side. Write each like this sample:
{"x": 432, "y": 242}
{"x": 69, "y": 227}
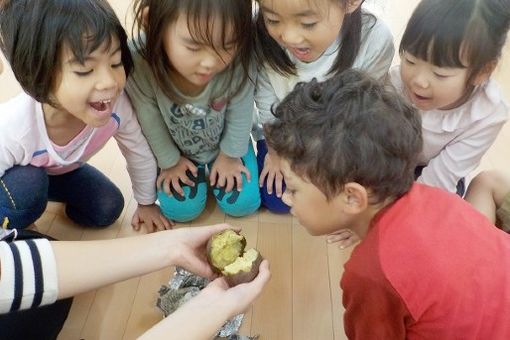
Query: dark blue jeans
{"x": 270, "y": 201}
{"x": 91, "y": 199}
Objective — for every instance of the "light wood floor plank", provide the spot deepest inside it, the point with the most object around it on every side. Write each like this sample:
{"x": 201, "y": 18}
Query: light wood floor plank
{"x": 311, "y": 291}
{"x": 272, "y": 317}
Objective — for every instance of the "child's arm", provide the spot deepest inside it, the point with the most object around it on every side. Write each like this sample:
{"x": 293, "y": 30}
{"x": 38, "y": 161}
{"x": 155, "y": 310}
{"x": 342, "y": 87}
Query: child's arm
{"x": 235, "y": 138}
{"x": 140, "y": 88}
{"x": 265, "y": 97}
{"x": 142, "y": 169}
{"x": 462, "y": 155}
{"x": 373, "y": 309}
{"x": 378, "y": 50}
{"x": 212, "y": 306}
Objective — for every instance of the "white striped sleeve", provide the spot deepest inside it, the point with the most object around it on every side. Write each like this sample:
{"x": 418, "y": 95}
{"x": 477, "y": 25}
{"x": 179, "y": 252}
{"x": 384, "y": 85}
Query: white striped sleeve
{"x": 28, "y": 275}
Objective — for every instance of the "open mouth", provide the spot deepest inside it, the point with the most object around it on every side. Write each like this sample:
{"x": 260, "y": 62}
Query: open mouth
{"x": 102, "y": 107}
{"x": 301, "y": 53}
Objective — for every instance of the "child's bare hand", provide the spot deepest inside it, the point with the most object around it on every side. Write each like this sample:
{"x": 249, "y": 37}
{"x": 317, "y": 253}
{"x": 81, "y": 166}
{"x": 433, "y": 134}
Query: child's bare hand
{"x": 151, "y": 217}
{"x": 344, "y": 237}
{"x": 272, "y": 170}
{"x": 172, "y": 176}
{"x": 227, "y": 172}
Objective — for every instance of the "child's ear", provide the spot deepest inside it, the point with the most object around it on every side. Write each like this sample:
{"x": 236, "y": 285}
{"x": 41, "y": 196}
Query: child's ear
{"x": 356, "y": 198}
{"x": 484, "y": 73}
{"x": 352, "y": 5}
{"x": 145, "y": 17}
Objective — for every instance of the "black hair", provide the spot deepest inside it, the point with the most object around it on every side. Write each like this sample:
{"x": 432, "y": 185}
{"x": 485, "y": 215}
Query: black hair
{"x": 458, "y": 34}
{"x": 349, "y": 128}
{"x": 148, "y": 36}
{"x": 33, "y": 32}
{"x": 270, "y": 52}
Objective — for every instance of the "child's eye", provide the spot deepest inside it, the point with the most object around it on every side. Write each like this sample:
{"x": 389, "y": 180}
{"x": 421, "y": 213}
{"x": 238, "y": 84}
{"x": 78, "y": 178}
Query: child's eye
{"x": 442, "y": 76}
{"x": 193, "y": 49}
{"x": 120, "y": 64}
{"x": 309, "y": 25}
{"x": 409, "y": 61}
{"x": 83, "y": 74}
{"x": 271, "y": 21}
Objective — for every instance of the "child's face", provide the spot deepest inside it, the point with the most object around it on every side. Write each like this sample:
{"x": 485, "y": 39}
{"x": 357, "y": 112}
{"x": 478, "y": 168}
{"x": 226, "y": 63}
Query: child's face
{"x": 314, "y": 212}
{"x": 194, "y": 62}
{"x": 430, "y": 87}
{"x": 88, "y": 91}
{"x": 306, "y": 28}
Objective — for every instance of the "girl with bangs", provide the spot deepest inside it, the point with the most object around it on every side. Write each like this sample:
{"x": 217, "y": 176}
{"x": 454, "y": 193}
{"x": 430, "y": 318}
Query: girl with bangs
{"x": 448, "y": 52}
{"x": 193, "y": 90}
{"x": 71, "y": 58}
{"x": 305, "y": 39}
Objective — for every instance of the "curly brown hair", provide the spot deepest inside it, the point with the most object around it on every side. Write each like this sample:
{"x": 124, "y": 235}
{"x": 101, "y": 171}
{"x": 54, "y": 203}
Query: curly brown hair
{"x": 349, "y": 128}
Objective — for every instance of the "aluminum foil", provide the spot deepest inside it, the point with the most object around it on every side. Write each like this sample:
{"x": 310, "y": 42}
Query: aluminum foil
{"x": 182, "y": 287}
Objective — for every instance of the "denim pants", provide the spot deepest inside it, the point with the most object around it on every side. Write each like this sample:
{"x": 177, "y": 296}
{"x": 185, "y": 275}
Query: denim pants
{"x": 235, "y": 203}
{"x": 271, "y": 202}
{"x": 91, "y": 199}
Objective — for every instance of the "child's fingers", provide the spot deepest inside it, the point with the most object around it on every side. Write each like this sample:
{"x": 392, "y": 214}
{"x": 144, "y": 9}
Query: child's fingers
{"x": 239, "y": 181}
{"x": 191, "y": 167}
{"x": 339, "y": 236}
{"x": 246, "y": 172}
{"x": 177, "y": 186}
{"x": 262, "y": 177}
{"x": 212, "y": 177}
{"x": 278, "y": 183}
{"x": 348, "y": 242}
{"x": 167, "y": 222}
{"x": 186, "y": 180}
{"x": 221, "y": 181}
{"x": 135, "y": 223}
{"x": 165, "y": 186}
{"x": 270, "y": 182}
{"x": 229, "y": 185}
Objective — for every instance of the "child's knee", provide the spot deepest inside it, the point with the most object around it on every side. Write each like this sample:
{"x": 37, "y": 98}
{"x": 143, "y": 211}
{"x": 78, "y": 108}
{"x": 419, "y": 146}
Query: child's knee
{"x": 23, "y": 195}
{"x": 272, "y": 202}
{"x": 184, "y": 208}
{"x": 239, "y": 203}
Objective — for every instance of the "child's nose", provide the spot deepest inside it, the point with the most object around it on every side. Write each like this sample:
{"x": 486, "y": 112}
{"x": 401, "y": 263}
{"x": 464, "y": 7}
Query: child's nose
{"x": 420, "y": 80}
{"x": 290, "y": 36}
{"x": 210, "y": 61}
{"x": 106, "y": 81}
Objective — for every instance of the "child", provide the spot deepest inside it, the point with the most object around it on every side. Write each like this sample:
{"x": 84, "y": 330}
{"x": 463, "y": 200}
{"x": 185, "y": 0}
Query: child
{"x": 449, "y": 51}
{"x": 489, "y": 192}
{"x": 71, "y": 59}
{"x": 429, "y": 266}
{"x": 300, "y": 40}
{"x": 194, "y": 100}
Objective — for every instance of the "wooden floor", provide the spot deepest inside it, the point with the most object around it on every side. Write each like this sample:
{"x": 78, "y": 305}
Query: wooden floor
{"x": 302, "y": 300}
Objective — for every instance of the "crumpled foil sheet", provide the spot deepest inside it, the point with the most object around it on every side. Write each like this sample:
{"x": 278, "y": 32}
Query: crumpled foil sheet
{"x": 185, "y": 285}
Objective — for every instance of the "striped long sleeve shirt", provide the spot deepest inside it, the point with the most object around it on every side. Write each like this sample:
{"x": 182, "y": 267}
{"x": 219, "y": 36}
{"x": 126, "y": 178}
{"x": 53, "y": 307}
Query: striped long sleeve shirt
{"x": 28, "y": 275}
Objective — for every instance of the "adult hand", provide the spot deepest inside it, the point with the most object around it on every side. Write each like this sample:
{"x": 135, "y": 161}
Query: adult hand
{"x": 189, "y": 247}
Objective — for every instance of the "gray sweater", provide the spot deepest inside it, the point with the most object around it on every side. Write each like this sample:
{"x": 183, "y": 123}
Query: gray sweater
{"x": 200, "y": 128}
